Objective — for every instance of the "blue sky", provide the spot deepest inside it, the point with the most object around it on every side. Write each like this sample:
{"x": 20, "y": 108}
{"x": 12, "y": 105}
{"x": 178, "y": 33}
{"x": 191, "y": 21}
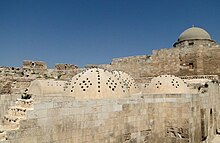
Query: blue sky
{"x": 84, "y": 32}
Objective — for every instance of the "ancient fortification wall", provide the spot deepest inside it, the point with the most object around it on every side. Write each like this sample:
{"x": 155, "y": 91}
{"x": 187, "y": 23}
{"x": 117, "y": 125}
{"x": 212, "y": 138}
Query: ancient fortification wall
{"x": 180, "y": 61}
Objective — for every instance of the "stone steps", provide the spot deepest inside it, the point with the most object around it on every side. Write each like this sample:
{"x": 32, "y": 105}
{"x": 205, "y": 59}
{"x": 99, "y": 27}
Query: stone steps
{"x": 27, "y": 103}
{"x": 19, "y": 112}
{"x": 11, "y": 120}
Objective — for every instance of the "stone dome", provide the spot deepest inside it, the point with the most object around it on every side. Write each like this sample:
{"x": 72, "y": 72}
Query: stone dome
{"x": 128, "y": 81}
{"x": 166, "y": 84}
{"x": 46, "y": 87}
{"x": 95, "y": 83}
{"x": 194, "y": 33}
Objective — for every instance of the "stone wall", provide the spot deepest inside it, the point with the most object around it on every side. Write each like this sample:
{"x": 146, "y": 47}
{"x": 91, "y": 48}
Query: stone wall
{"x": 211, "y": 61}
{"x": 164, "y": 118}
{"x": 160, "y": 62}
{"x": 98, "y": 121}
{"x": 180, "y": 61}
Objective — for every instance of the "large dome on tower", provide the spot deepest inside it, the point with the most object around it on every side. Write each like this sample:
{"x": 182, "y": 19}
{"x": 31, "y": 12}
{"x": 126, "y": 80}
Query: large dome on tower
{"x": 194, "y": 33}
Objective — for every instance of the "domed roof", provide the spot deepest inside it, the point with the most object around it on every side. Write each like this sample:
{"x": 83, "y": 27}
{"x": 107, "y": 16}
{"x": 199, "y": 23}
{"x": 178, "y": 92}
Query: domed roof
{"x": 128, "y": 81}
{"x": 46, "y": 87}
{"x": 166, "y": 84}
{"x": 194, "y": 33}
{"x": 96, "y": 84}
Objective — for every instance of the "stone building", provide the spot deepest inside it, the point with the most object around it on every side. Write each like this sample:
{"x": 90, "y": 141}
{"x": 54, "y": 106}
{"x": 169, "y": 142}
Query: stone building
{"x": 194, "y": 53}
{"x": 172, "y": 96}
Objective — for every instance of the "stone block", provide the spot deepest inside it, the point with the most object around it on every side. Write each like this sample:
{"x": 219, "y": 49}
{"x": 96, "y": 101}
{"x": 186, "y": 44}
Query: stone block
{"x": 32, "y": 114}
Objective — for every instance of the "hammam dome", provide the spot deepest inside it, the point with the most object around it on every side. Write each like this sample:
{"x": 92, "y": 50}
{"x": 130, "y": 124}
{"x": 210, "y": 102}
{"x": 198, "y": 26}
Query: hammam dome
{"x": 46, "y": 87}
{"x": 166, "y": 84}
{"x": 128, "y": 81}
{"x": 96, "y": 84}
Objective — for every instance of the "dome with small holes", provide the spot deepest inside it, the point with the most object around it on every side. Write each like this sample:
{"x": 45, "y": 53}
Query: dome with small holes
{"x": 128, "y": 81}
{"x": 46, "y": 87}
{"x": 166, "y": 84}
{"x": 95, "y": 84}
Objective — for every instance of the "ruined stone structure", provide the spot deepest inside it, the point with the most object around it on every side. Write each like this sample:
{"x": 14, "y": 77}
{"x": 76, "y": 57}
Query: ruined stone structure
{"x": 34, "y": 67}
{"x": 65, "y": 71}
{"x": 172, "y": 96}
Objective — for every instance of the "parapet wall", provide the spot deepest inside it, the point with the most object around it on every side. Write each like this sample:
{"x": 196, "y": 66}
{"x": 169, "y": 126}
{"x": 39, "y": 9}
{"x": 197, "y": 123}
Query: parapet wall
{"x": 184, "y": 118}
{"x": 153, "y": 118}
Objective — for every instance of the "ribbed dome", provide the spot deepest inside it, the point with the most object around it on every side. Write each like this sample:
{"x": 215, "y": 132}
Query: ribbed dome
{"x": 194, "y": 33}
